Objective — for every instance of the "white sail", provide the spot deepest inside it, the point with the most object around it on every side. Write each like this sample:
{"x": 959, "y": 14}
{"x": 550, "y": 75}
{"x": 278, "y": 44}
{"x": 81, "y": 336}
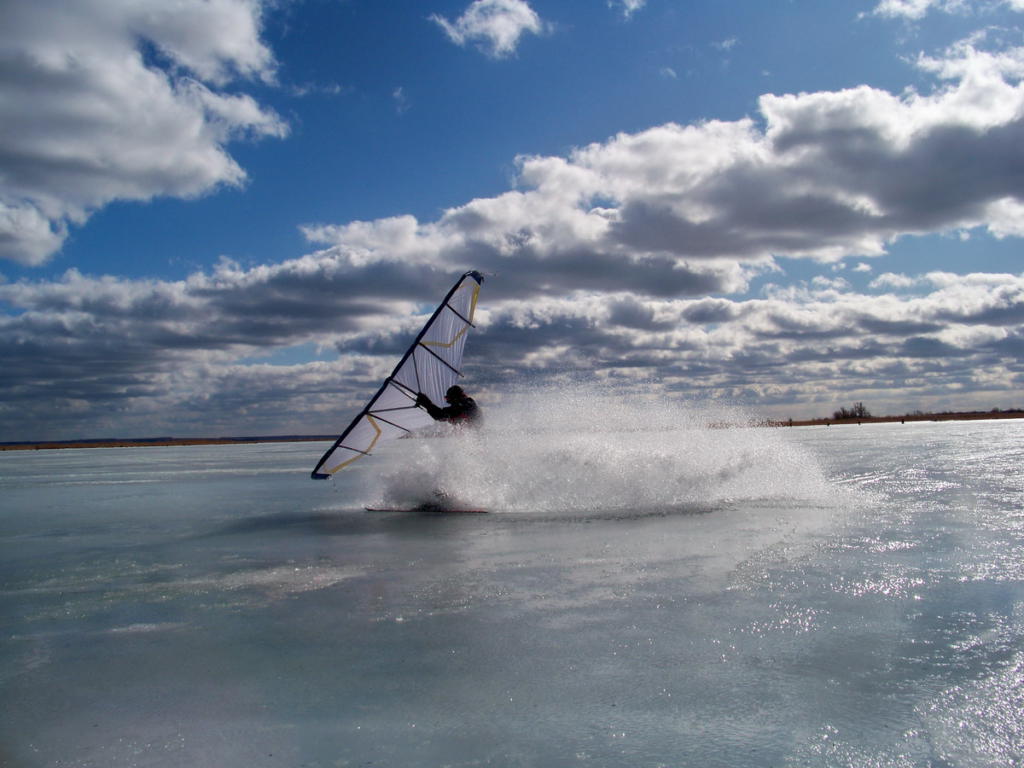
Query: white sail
{"x": 431, "y": 365}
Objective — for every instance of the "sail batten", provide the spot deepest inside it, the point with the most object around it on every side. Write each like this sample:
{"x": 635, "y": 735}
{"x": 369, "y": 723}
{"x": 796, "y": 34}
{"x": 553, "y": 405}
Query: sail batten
{"x": 430, "y": 365}
{"x": 467, "y": 322}
{"x": 441, "y": 359}
{"x": 393, "y": 424}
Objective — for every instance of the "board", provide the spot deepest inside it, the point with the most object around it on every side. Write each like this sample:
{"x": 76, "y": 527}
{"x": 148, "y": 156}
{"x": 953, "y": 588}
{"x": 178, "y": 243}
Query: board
{"x": 427, "y": 510}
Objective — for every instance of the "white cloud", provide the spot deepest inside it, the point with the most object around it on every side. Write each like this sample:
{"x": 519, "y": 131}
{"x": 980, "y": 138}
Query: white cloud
{"x": 214, "y": 39}
{"x": 914, "y": 9}
{"x": 401, "y": 100}
{"x": 892, "y": 280}
{"x": 91, "y": 117}
{"x": 918, "y": 9}
{"x": 496, "y": 25}
{"x": 629, "y": 7}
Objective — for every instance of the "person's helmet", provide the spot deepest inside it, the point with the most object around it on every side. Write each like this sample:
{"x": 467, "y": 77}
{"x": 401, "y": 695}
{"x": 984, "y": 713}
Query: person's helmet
{"x": 454, "y": 393}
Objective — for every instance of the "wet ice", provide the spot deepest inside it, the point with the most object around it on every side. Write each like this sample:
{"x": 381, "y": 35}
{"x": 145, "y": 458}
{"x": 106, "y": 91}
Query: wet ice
{"x": 651, "y": 588}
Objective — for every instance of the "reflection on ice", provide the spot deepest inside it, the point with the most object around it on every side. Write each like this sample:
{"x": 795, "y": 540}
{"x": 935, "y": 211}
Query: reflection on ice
{"x": 980, "y": 723}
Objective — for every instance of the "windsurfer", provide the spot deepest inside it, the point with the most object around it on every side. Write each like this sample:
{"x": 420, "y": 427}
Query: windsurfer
{"x": 462, "y": 409}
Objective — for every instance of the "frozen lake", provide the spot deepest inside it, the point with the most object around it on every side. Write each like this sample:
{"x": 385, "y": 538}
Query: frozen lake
{"x": 672, "y": 595}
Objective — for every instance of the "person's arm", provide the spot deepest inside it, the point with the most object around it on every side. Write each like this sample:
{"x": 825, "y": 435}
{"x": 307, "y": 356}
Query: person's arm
{"x": 437, "y": 414}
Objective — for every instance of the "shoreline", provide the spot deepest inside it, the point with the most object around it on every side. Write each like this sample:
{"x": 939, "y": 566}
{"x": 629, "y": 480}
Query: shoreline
{"x": 964, "y": 416}
{"x": 157, "y": 442}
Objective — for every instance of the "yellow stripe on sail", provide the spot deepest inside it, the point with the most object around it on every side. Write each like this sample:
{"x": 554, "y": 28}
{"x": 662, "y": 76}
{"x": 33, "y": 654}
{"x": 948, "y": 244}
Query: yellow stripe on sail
{"x": 462, "y": 332}
{"x": 369, "y": 448}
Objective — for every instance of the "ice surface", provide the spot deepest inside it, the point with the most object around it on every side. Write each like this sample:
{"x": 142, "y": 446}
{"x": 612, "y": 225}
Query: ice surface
{"x": 651, "y": 589}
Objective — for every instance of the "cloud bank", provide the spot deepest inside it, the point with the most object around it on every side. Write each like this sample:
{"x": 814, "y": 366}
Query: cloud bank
{"x": 616, "y": 262}
{"x": 699, "y": 208}
{"x": 120, "y": 100}
{"x": 90, "y": 356}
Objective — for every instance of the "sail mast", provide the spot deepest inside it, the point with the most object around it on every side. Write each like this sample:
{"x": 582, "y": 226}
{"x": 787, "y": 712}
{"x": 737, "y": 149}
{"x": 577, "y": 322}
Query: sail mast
{"x": 430, "y": 365}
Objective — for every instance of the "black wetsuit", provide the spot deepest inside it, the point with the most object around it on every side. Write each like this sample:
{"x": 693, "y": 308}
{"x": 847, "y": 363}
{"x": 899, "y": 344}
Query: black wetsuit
{"x": 462, "y": 411}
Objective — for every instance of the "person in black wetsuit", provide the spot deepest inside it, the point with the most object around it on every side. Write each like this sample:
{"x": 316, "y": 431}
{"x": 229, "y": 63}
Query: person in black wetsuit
{"x": 462, "y": 409}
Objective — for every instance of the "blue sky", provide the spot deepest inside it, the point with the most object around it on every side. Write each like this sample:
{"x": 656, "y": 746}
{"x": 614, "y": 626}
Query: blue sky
{"x": 224, "y": 216}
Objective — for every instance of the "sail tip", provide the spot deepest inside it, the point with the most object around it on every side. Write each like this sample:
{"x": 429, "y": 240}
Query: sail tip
{"x": 318, "y": 475}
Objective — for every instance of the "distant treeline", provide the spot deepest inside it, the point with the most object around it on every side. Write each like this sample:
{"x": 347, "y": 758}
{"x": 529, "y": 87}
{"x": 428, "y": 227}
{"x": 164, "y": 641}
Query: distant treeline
{"x": 992, "y": 412}
{"x": 848, "y": 416}
{"x": 859, "y": 411}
